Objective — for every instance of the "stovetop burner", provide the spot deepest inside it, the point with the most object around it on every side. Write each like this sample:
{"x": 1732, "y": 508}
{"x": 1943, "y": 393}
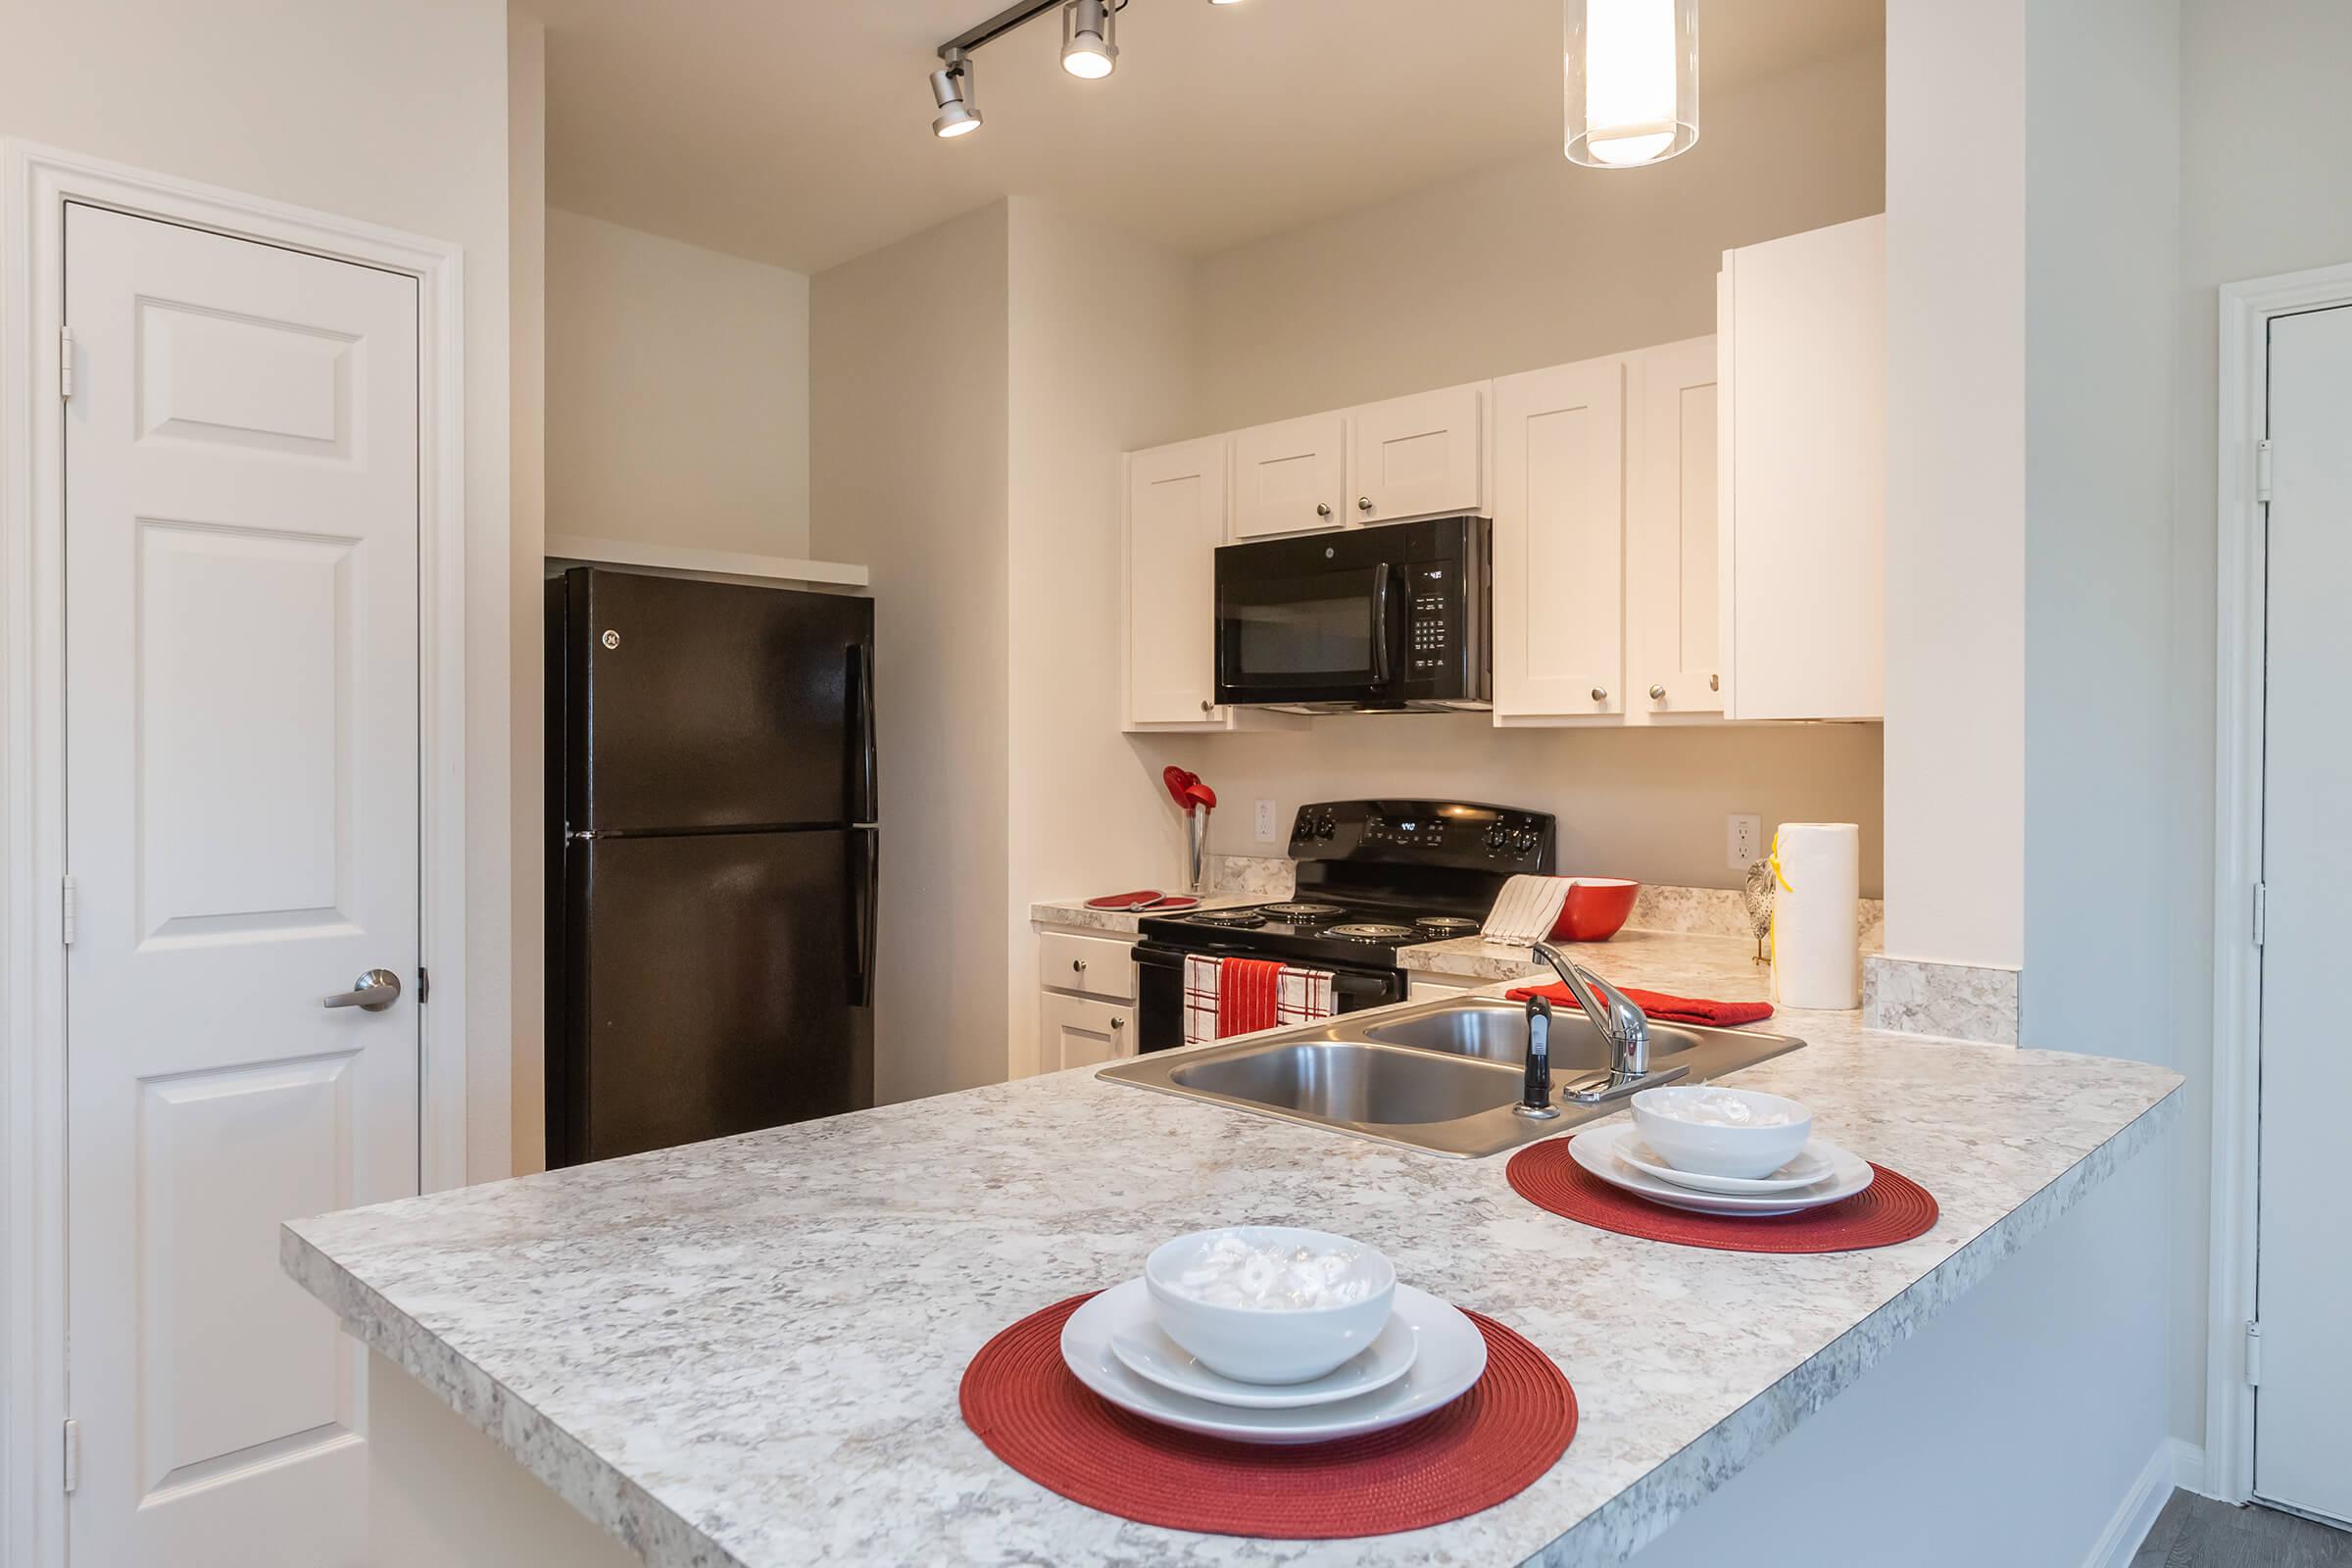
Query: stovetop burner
{"x": 1301, "y": 910}
{"x": 1229, "y": 917}
{"x": 1370, "y": 931}
{"x": 1451, "y": 925}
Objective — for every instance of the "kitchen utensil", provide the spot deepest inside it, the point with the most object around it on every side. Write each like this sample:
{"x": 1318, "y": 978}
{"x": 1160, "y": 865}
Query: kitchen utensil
{"x": 1452, "y": 1356}
{"x": 1261, "y": 1344}
{"x": 1689, "y": 1126}
{"x": 1197, "y": 846}
{"x": 1595, "y": 909}
{"x": 1178, "y": 781}
{"x": 1144, "y": 1347}
{"x": 1596, "y": 1151}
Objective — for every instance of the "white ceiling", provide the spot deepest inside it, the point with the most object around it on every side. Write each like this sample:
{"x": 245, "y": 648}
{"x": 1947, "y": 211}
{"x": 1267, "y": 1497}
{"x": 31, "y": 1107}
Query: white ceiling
{"x": 798, "y": 131}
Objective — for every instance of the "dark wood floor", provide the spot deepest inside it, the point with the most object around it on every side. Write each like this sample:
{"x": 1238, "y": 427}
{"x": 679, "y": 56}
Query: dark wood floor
{"x": 2196, "y": 1532}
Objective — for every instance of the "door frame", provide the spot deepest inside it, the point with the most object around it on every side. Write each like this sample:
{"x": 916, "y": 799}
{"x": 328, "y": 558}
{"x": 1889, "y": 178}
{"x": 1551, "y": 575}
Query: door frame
{"x": 2246, "y": 311}
{"x": 35, "y": 184}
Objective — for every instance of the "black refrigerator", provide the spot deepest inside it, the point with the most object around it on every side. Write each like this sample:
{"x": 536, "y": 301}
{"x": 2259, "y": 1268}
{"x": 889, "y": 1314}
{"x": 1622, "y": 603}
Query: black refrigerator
{"x": 711, "y": 860}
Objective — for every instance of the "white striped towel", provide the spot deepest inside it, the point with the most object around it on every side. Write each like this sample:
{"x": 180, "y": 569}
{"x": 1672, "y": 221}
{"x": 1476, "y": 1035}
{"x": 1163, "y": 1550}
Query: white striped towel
{"x": 1527, "y": 910}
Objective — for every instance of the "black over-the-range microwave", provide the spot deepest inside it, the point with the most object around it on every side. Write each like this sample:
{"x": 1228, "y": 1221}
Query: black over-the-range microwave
{"x": 1388, "y": 618}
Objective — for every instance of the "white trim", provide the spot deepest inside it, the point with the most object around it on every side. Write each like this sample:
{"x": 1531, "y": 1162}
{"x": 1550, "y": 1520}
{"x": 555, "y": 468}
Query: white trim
{"x": 712, "y": 563}
{"x": 37, "y": 183}
{"x": 2245, "y": 313}
{"x": 2135, "y": 1515}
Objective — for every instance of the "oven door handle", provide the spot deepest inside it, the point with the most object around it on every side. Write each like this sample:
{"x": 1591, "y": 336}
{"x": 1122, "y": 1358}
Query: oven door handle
{"x": 1383, "y": 663}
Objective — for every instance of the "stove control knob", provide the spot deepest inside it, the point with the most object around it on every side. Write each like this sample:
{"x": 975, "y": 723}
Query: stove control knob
{"x": 1325, "y": 828}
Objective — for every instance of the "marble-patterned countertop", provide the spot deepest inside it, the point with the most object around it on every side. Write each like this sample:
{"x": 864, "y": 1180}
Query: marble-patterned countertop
{"x": 1074, "y": 913}
{"x": 747, "y": 1351}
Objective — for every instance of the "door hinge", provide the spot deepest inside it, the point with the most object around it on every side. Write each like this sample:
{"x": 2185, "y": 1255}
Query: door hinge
{"x": 2253, "y": 1355}
{"x": 2262, "y": 470}
{"x": 424, "y": 985}
{"x": 68, "y": 906}
{"x": 2262, "y": 911}
{"x": 72, "y": 1453}
{"x": 64, "y": 363}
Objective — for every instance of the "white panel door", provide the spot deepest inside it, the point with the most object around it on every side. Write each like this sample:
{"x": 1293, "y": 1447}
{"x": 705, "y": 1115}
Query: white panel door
{"x": 2303, "y": 1283}
{"x": 1291, "y": 477}
{"x": 241, "y": 454}
{"x": 1175, "y": 521}
{"x": 1418, "y": 457}
{"x": 1671, "y": 559}
{"x": 1559, "y": 542}
{"x": 1081, "y": 1032}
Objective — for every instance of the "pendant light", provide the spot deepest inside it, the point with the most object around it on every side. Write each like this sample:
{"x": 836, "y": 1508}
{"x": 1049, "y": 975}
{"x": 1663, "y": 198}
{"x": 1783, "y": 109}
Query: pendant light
{"x": 1631, "y": 69}
{"x": 1090, "y": 45}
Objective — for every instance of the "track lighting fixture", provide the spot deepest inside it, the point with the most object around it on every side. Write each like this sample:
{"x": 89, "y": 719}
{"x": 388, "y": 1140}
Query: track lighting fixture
{"x": 951, "y": 91}
{"x": 1089, "y": 48}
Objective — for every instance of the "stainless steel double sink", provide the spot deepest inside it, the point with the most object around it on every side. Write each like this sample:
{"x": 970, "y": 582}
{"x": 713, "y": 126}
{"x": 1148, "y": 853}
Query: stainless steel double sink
{"x": 1440, "y": 1076}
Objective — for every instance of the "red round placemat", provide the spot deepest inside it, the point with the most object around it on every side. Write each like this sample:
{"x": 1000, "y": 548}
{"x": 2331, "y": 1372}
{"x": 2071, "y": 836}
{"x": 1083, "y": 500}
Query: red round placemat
{"x": 1891, "y": 1208}
{"x": 1024, "y": 1402}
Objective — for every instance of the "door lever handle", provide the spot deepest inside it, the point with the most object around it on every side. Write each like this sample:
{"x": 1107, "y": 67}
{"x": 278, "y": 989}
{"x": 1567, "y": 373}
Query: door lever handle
{"x": 371, "y": 992}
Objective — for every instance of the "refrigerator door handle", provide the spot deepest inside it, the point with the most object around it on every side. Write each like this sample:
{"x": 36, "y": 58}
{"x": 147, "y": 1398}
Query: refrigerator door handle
{"x": 863, "y": 805}
{"x": 866, "y": 908}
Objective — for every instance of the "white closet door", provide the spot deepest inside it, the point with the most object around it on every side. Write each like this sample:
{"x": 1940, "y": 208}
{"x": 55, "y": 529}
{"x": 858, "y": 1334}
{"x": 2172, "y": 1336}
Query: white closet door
{"x": 1559, "y": 542}
{"x": 2302, "y": 1436}
{"x": 241, "y": 668}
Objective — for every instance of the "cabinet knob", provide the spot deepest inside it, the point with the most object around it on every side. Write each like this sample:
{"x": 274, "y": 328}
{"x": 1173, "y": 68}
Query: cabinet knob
{"x": 1322, "y": 509}
{"x": 1714, "y": 683}
{"x": 1600, "y": 693}
{"x": 1658, "y": 694}
{"x": 1206, "y": 704}
{"x": 1119, "y": 1023}
{"x": 1078, "y": 966}
{"x": 1363, "y": 503}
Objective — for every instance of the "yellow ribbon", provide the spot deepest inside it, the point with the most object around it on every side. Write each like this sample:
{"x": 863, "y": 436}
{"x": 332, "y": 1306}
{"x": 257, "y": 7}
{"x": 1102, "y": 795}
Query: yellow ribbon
{"x": 1782, "y": 877}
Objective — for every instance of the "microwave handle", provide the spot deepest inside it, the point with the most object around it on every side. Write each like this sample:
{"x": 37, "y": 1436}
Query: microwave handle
{"x": 1383, "y": 666}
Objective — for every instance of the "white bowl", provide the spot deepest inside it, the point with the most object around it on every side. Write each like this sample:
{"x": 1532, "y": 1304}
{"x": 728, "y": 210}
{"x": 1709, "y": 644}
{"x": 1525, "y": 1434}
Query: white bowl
{"x": 1666, "y": 1119}
{"x": 1269, "y": 1345}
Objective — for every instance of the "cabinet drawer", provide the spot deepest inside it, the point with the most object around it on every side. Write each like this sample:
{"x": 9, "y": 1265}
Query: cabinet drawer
{"x": 1081, "y": 1032}
{"x": 1429, "y": 988}
{"x": 1096, "y": 966}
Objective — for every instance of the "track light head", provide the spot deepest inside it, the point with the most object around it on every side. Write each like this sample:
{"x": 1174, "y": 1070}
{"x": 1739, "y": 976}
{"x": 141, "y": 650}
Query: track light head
{"x": 952, "y": 91}
{"x": 1088, "y": 38}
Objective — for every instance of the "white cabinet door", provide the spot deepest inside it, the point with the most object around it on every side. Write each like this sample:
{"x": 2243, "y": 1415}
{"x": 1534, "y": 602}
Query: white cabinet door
{"x": 1803, "y": 332}
{"x": 1671, "y": 557}
{"x": 1291, "y": 477}
{"x": 1081, "y": 1032}
{"x": 1559, "y": 529}
{"x": 241, "y": 795}
{"x": 1175, "y": 521}
{"x": 1418, "y": 457}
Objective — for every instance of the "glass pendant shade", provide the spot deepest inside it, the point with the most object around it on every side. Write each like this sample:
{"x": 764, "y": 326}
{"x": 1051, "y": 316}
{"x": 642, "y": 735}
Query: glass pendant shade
{"x": 1631, "y": 74}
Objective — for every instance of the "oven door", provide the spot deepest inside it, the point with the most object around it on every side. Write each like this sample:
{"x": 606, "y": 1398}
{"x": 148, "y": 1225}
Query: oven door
{"x": 1160, "y": 989}
{"x": 1290, "y": 632}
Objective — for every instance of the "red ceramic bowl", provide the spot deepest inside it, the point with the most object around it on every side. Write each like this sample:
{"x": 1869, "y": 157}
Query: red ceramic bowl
{"x": 1597, "y": 907}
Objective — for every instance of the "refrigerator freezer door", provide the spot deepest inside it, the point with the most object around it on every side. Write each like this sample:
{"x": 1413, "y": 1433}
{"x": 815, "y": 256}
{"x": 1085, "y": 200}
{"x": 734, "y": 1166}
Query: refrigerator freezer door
{"x": 700, "y": 705}
{"x": 712, "y": 987}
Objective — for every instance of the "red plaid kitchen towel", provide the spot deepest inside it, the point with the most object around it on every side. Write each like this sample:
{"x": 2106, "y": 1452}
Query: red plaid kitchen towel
{"x": 1224, "y": 996}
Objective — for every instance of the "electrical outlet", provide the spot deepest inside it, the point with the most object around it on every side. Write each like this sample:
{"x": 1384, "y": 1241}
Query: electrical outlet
{"x": 1268, "y": 830}
{"x": 1743, "y": 840}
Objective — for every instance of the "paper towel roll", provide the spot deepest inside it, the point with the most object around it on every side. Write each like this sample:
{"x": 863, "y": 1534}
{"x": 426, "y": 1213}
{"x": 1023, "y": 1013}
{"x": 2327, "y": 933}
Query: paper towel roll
{"x": 1816, "y": 961}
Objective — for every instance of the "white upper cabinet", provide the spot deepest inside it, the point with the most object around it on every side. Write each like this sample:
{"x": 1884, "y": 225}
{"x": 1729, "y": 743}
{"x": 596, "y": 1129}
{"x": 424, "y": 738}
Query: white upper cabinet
{"x": 1559, "y": 530}
{"x": 1175, "y": 521}
{"x": 1291, "y": 477}
{"x": 1802, "y": 345}
{"x": 1417, "y": 457}
{"x": 1672, "y": 611}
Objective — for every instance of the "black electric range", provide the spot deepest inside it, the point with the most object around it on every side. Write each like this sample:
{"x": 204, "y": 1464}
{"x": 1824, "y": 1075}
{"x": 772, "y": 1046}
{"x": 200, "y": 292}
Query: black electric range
{"x": 1372, "y": 877}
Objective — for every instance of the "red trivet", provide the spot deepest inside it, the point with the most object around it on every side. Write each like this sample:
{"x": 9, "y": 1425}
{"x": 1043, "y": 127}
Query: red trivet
{"x": 1486, "y": 1445}
{"x": 1891, "y": 1208}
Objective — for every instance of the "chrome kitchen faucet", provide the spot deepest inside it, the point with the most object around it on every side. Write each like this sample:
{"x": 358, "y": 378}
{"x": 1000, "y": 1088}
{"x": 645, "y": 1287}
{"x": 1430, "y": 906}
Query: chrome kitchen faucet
{"x": 1619, "y": 1022}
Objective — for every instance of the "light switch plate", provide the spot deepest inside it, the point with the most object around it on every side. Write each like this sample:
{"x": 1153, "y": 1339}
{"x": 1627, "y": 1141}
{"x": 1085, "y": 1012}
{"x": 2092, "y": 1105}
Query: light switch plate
{"x": 1267, "y": 831}
{"x": 1743, "y": 840}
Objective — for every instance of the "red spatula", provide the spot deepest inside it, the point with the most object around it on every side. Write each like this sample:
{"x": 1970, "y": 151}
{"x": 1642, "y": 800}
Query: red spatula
{"x": 1180, "y": 784}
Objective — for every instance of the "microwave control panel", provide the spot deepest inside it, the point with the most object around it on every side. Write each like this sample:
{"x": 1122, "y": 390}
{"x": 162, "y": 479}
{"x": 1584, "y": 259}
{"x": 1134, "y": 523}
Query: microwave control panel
{"x": 1429, "y": 621}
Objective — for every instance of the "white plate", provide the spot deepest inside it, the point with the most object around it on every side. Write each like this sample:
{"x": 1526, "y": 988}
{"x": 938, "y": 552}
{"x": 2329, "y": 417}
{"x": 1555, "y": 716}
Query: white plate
{"x": 1813, "y": 1164}
{"x": 1598, "y": 1152}
{"x": 1449, "y": 1356}
{"x": 1144, "y": 1347}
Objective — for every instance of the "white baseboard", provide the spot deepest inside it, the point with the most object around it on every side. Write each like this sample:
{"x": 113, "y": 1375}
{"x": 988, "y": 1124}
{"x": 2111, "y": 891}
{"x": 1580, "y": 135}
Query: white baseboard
{"x": 2174, "y": 1463}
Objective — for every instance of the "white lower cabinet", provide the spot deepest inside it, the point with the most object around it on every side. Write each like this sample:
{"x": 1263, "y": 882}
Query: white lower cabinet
{"x": 1082, "y": 1031}
{"x": 1559, "y": 543}
{"x": 1430, "y": 988}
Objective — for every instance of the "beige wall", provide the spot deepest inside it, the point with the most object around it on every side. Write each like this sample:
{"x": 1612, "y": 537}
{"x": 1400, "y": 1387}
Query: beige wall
{"x": 908, "y": 372}
{"x": 1101, "y": 331}
{"x": 527, "y": 193}
{"x": 380, "y": 110}
{"x": 677, "y": 384}
{"x": 1525, "y": 265}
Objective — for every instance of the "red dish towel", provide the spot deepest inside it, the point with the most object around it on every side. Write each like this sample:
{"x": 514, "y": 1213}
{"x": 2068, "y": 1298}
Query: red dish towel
{"x": 1664, "y": 1008}
{"x": 1225, "y": 997}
